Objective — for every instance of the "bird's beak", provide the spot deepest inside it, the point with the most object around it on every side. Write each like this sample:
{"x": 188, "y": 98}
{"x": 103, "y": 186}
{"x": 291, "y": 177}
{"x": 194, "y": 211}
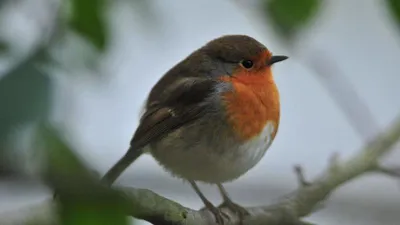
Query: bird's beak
{"x": 276, "y": 58}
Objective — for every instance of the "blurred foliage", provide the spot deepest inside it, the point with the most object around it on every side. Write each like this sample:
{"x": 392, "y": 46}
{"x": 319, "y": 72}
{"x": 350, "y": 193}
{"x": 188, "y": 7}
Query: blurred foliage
{"x": 394, "y": 8}
{"x": 288, "y": 17}
{"x": 3, "y": 47}
{"x": 88, "y": 20}
{"x": 24, "y": 99}
{"x": 3, "y": 2}
{"x": 82, "y": 199}
{"x": 24, "y": 94}
{"x": 62, "y": 166}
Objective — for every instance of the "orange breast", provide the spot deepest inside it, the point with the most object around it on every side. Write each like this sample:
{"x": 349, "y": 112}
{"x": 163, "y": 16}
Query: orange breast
{"x": 253, "y": 102}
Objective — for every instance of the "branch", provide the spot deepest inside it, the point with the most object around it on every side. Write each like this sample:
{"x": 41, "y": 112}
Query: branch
{"x": 149, "y": 206}
{"x": 301, "y": 179}
{"x": 392, "y": 172}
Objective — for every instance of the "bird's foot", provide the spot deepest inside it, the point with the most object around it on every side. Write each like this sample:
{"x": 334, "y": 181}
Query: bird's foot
{"x": 235, "y": 208}
{"x": 218, "y": 214}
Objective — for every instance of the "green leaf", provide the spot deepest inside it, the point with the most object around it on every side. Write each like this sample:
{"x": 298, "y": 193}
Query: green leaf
{"x": 94, "y": 212}
{"x": 3, "y": 3}
{"x": 62, "y": 164}
{"x": 87, "y": 20}
{"x": 3, "y": 47}
{"x": 24, "y": 95}
{"x": 24, "y": 98}
{"x": 82, "y": 199}
{"x": 394, "y": 8}
{"x": 289, "y": 17}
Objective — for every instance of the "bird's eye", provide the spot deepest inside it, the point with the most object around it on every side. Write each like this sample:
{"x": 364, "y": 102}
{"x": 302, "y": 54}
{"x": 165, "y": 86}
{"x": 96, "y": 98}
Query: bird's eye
{"x": 247, "y": 64}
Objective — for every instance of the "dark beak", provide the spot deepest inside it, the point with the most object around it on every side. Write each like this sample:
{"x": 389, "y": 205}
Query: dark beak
{"x": 276, "y": 58}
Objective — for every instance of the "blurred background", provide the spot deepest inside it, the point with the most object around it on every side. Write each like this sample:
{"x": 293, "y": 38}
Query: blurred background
{"x": 87, "y": 66}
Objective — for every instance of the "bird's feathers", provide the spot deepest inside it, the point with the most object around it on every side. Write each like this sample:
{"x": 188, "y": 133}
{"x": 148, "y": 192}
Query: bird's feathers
{"x": 183, "y": 102}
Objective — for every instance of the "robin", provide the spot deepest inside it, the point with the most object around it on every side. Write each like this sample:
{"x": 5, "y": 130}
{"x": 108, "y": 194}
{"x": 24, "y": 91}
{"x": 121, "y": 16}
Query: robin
{"x": 210, "y": 118}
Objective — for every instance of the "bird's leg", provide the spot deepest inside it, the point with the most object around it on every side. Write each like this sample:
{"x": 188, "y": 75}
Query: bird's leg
{"x": 208, "y": 205}
{"x": 228, "y": 203}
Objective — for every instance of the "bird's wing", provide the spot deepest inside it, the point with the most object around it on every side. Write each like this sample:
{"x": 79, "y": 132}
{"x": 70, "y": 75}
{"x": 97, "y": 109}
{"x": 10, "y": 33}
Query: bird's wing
{"x": 182, "y": 103}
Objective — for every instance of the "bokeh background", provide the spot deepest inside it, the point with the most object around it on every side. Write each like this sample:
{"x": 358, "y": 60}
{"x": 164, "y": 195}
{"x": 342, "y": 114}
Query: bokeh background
{"x": 340, "y": 87}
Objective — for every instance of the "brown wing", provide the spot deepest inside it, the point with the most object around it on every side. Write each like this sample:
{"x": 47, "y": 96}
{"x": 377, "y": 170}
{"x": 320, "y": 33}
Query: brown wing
{"x": 182, "y": 103}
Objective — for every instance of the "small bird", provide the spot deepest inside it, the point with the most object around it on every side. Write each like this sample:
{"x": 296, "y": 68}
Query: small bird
{"x": 210, "y": 118}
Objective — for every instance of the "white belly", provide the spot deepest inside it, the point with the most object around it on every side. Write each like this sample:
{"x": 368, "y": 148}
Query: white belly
{"x": 254, "y": 149}
{"x": 231, "y": 162}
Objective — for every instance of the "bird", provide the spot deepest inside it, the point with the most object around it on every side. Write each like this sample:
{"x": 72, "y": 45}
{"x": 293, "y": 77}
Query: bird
{"x": 210, "y": 118}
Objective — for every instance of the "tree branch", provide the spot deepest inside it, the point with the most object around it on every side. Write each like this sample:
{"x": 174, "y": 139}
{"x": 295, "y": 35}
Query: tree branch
{"x": 149, "y": 206}
{"x": 393, "y": 172}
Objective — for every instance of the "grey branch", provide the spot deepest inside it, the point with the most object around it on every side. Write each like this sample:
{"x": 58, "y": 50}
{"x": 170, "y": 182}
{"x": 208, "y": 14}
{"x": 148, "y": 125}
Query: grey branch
{"x": 393, "y": 172}
{"x": 301, "y": 179}
{"x": 149, "y": 206}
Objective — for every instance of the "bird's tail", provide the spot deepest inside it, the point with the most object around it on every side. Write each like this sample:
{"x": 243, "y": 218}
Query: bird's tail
{"x": 130, "y": 156}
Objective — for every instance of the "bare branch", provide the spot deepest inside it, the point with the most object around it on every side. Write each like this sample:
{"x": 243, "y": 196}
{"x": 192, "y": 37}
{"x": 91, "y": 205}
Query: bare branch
{"x": 300, "y": 176}
{"x": 149, "y": 206}
{"x": 393, "y": 171}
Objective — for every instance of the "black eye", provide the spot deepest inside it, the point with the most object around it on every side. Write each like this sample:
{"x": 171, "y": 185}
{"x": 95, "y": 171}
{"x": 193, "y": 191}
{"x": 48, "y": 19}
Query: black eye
{"x": 247, "y": 64}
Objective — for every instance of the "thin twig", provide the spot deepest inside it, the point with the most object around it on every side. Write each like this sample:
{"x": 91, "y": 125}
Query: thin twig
{"x": 393, "y": 172}
{"x": 300, "y": 176}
